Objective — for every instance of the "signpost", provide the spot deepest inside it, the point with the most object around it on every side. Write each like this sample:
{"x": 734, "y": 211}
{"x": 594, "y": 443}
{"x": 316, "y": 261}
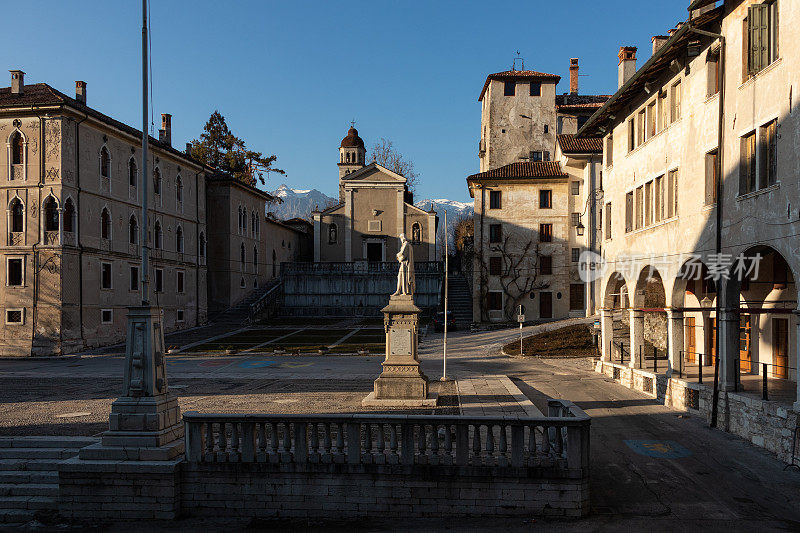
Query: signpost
{"x": 521, "y": 320}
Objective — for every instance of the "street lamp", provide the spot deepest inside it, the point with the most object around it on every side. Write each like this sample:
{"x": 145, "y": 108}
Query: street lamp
{"x": 580, "y": 228}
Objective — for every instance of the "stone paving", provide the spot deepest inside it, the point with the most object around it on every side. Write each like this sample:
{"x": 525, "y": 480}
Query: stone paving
{"x": 493, "y": 396}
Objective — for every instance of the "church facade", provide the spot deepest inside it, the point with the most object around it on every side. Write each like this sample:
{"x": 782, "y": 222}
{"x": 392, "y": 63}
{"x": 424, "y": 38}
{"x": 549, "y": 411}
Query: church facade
{"x": 375, "y": 207}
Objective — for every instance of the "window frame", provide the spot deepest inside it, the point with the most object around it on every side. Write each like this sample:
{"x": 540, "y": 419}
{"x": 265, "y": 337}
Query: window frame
{"x": 546, "y": 232}
{"x": 495, "y": 199}
{"x": 20, "y": 310}
{"x": 547, "y": 195}
{"x": 110, "y": 285}
{"x": 495, "y": 265}
{"x": 490, "y": 303}
{"x": 512, "y": 84}
{"x": 133, "y": 278}
{"x": 22, "y": 272}
{"x": 110, "y": 311}
{"x": 180, "y": 281}
{"x": 495, "y": 233}
{"x": 535, "y": 88}
{"x": 546, "y": 265}
{"x": 158, "y": 280}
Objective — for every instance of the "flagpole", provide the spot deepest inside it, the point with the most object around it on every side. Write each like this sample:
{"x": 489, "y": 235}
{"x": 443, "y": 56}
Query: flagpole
{"x": 446, "y": 294}
{"x": 145, "y": 177}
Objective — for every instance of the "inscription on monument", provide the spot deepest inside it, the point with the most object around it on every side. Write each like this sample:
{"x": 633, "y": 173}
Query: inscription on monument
{"x": 400, "y": 341}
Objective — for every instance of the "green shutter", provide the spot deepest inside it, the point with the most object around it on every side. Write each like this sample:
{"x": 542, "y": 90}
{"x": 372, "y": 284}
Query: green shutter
{"x": 710, "y": 179}
{"x": 758, "y": 33}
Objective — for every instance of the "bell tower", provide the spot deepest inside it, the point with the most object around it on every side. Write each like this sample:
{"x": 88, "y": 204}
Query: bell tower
{"x": 351, "y": 156}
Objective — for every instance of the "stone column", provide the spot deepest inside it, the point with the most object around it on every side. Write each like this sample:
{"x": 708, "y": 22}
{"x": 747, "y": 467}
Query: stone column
{"x": 797, "y": 359}
{"x": 675, "y": 339}
{"x": 637, "y": 334}
{"x": 728, "y": 332}
{"x": 61, "y": 226}
{"x": 607, "y": 333}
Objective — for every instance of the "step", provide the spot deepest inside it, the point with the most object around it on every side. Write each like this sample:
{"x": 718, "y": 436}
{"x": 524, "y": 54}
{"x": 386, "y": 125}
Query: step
{"x": 16, "y": 516}
{"x": 38, "y": 453}
{"x": 29, "y": 489}
{"x": 18, "y": 477}
{"x": 29, "y": 465}
{"x": 46, "y": 442}
{"x": 32, "y": 503}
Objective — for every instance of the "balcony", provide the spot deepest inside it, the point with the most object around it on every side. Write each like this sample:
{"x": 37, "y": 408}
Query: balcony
{"x": 481, "y": 148}
{"x": 16, "y": 238}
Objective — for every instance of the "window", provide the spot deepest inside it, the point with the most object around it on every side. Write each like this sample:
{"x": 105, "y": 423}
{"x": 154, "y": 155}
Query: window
{"x": 15, "y": 316}
{"x": 641, "y": 127}
{"x": 15, "y": 273}
{"x": 244, "y": 221}
{"x": 105, "y": 276}
{"x": 159, "y": 236}
{"x": 608, "y": 220}
{"x": 17, "y": 149}
{"x": 494, "y": 301}
{"x": 536, "y": 88}
{"x": 712, "y": 161}
{"x": 179, "y": 240}
{"x": 157, "y": 181}
{"x": 106, "y": 316}
{"x": 17, "y": 216}
{"x": 545, "y": 233}
{"x": 255, "y": 259}
{"x": 332, "y": 234}
{"x": 495, "y": 233}
{"x": 576, "y": 255}
{"x": 651, "y": 119}
{"x": 546, "y": 304}
{"x": 576, "y": 297}
{"x": 253, "y": 222}
{"x": 545, "y": 199}
{"x": 69, "y": 216}
{"x": 494, "y": 199}
{"x": 631, "y": 135}
{"x": 179, "y": 315}
{"x": 648, "y": 203}
{"x": 133, "y": 230}
{"x": 662, "y": 110}
{"x": 134, "y": 278}
{"x": 132, "y": 171}
{"x": 240, "y": 220}
{"x": 629, "y": 212}
{"x": 639, "y": 207}
{"x": 762, "y": 36}
{"x": 672, "y": 193}
{"x": 105, "y": 224}
{"x": 610, "y": 151}
{"x": 509, "y": 87}
{"x": 712, "y": 73}
{"x": 658, "y": 192}
{"x": 768, "y": 161}
{"x": 179, "y": 281}
{"x": 495, "y": 266}
{"x": 201, "y": 248}
{"x": 241, "y": 283}
{"x": 274, "y": 263}
{"x": 675, "y": 109}
{"x": 575, "y": 188}
{"x": 747, "y": 165}
{"x": 242, "y": 255}
{"x": 534, "y": 155}
{"x": 575, "y": 219}
{"x": 546, "y": 128}
{"x": 546, "y": 265}
{"x": 179, "y": 190}
{"x": 105, "y": 163}
{"x": 50, "y": 214}
{"x": 159, "y": 275}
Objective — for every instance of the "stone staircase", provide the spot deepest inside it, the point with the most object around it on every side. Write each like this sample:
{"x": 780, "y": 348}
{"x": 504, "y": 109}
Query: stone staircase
{"x": 460, "y": 300}
{"x": 29, "y": 474}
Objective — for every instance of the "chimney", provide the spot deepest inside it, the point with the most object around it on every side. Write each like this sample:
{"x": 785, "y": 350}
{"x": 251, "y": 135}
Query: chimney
{"x": 573, "y": 75}
{"x": 17, "y": 81}
{"x": 658, "y": 42}
{"x": 80, "y": 91}
{"x": 165, "y": 133}
{"x": 188, "y": 148}
{"x": 627, "y": 64}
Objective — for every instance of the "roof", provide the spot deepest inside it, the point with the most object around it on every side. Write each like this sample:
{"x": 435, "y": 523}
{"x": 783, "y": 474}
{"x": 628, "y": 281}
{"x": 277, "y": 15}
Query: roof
{"x": 654, "y": 66}
{"x": 527, "y": 169}
{"x": 39, "y": 94}
{"x": 580, "y": 102}
{"x": 570, "y": 144}
{"x": 226, "y": 179}
{"x": 517, "y": 75}
{"x": 696, "y": 4}
{"x": 352, "y": 140}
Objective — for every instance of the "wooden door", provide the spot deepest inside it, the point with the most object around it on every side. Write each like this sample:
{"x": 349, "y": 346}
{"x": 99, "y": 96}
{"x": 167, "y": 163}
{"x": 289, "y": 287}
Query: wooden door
{"x": 545, "y": 305}
{"x": 375, "y": 252}
{"x": 780, "y": 348}
{"x": 745, "y": 359}
{"x": 689, "y": 345}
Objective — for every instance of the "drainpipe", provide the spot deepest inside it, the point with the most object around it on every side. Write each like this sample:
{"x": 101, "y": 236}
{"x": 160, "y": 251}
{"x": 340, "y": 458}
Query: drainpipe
{"x": 719, "y": 192}
{"x": 592, "y": 224}
{"x": 78, "y": 224}
{"x": 34, "y": 303}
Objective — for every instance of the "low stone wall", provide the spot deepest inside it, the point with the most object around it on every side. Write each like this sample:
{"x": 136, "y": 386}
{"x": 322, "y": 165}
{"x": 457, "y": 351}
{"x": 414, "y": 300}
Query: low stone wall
{"x": 766, "y": 424}
{"x": 399, "y": 491}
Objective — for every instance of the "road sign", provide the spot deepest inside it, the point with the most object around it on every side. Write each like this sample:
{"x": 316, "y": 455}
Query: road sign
{"x": 521, "y": 309}
{"x": 520, "y": 318}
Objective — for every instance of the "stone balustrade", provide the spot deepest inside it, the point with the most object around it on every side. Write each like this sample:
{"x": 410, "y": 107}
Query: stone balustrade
{"x": 420, "y": 267}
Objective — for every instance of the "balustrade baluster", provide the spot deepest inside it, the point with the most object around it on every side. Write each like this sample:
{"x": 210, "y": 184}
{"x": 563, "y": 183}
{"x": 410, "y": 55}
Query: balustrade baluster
{"x": 448, "y": 440}
{"x": 366, "y": 439}
{"x": 381, "y": 440}
{"x": 339, "y": 438}
{"x": 222, "y": 437}
{"x": 476, "y": 442}
{"x": 262, "y": 438}
{"x": 287, "y": 438}
{"x": 393, "y": 439}
{"x": 503, "y": 443}
{"x": 235, "y": 437}
{"x": 489, "y": 442}
{"x": 435, "y": 439}
{"x": 273, "y": 437}
{"x": 558, "y": 442}
{"x": 209, "y": 437}
{"x": 422, "y": 439}
{"x": 314, "y": 437}
{"x": 545, "y": 440}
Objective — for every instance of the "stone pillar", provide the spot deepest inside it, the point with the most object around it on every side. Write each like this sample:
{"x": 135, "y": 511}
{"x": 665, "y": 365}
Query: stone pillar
{"x": 607, "y": 333}
{"x": 728, "y": 332}
{"x": 401, "y": 383}
{"x": 637, "y": 334}
{"x": 797, "y": 359}
{"x": 675, "y": 339}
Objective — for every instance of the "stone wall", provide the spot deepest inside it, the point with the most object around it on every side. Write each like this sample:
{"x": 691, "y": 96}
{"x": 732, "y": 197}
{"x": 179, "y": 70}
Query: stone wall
{"x": 349, "y": 491}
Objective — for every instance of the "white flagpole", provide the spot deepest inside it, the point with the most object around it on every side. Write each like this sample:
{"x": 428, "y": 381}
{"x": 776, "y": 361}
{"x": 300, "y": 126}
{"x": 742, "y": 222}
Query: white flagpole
{"x": 446, "y": 294}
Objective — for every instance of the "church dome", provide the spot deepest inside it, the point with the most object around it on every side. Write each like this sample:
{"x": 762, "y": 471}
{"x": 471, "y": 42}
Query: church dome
{"x": 352, "y": 140}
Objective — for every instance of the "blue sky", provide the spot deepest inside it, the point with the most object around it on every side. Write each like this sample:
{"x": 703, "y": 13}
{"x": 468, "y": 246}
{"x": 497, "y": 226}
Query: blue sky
{"x": 289, "y": 76}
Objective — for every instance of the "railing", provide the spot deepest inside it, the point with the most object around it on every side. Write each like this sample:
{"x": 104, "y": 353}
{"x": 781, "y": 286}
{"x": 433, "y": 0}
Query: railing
{"x": 560, "y": 440}
{"x": 268, "y": 303}
{"x": 420, "y": 267}
{"x": 621, "y": 352}
{"x": 698, "y": 360}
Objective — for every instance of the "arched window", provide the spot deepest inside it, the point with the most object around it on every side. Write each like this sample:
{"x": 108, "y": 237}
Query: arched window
{"x": 132, "y": 170}
{"x": 157, "y": 181}
{"x": 105, "y": 163}
{"x": 332, "y": 234}
{"x": 253, "y": 222}
{"x": 202, "y": 245}
{"x": 244, "y": 221}
{"x": 133, "y": 230}
{"x": 158, "y": 235}
{"x": 179, "y": 239}
{"x": 50, "y": 209}
{"x": 69, "y": 216}
{"x": 17, "y": 216}
{"x": 17, "y": 149}
{"x": 242, "y": 255}
{"x": 274, "y": 263}
{"x": 240, "y": 219}
{"x": 105, "y": 224}
{"x": 179, "y": 190}
{"x": 255, "y": 259}
{"x": 416, "y": 233}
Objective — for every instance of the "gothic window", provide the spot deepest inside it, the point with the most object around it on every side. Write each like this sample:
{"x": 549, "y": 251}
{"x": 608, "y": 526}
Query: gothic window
{"x": 133, "y": 230}
{"x": 242, "y": 256}
{"x": 69, "y": 216}
{"x": 50, "y": 214}
{"x": 244, "y": 221}
{"x": 17, "y": 148}
{"x": 132, "y": 172}
{"x": 255, "y": 259}
{"x": 202, "y": 247}
{"x": 17, "y": 216}
{"x": 157, "y": 181}
{"x": 105, "y": 224}
{"x": 105, "y": 163}
{"x": 158, "y": 236}
{"x": 274, "y": 263}
{"x": 332, "y": 234}
{"x": 240, "y": 219}
{"x": 179, "y": 239}
{"x": 179, "y": 190}
{"x": 416, "y": 233}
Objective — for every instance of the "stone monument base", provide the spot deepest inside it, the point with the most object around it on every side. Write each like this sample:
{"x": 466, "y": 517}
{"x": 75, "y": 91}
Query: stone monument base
{"x": 430, "y": 400}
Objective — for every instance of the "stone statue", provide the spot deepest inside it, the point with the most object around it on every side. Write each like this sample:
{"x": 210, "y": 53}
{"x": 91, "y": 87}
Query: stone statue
{"x": 405, "y": 276}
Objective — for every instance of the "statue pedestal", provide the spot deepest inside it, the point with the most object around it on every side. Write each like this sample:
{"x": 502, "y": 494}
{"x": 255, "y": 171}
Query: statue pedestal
{"x": 402, "y": 383}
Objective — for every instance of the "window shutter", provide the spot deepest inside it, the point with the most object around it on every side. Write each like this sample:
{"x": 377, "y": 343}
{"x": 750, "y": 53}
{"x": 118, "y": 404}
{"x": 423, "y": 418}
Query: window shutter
{"x": 758, "y": 20}
{"x": 709, "y": 179}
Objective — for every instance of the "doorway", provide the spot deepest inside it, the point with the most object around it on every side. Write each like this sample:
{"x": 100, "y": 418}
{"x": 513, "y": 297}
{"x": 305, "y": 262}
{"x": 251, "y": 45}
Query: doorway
{"x": 712, "y": 341}
{"x": 545, "y": 305}
{"x": 689, "y": 339}
{"x": 745, "y": 331}
{"x": 780, "y": 348}
{"x": 374, "y": 252}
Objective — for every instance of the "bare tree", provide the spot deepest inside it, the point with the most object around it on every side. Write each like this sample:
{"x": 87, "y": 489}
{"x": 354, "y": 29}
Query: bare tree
{"x": 385, "y": 154}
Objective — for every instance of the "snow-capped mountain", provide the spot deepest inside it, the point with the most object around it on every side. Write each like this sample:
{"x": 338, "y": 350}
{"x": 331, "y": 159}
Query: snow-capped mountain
{"x": 298, "y": 202}
{"x": 455, "y": 212}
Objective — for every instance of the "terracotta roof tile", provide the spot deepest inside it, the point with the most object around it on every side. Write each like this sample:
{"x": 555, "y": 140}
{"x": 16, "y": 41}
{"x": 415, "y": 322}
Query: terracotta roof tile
{"x": 517, "y": 75}
{"x": 527, "y": 169}
{"x": 574, "y": 145}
